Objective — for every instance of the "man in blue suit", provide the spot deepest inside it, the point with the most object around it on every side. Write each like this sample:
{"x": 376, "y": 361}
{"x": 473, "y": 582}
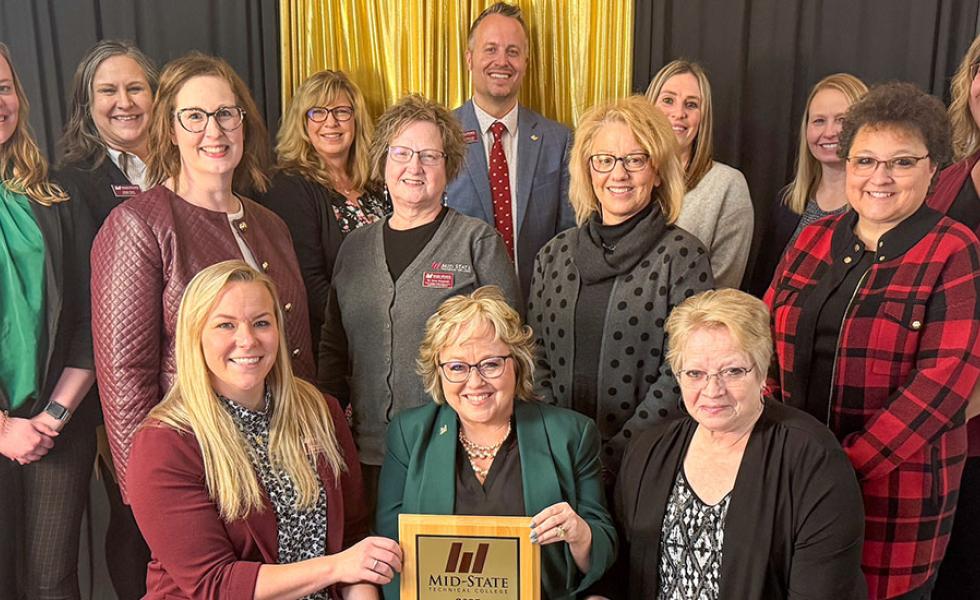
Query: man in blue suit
{"x": 516, "y": 173}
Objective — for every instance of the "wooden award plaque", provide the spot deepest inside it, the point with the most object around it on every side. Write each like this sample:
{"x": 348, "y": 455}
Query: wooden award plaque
{"x": 448, "y": 557}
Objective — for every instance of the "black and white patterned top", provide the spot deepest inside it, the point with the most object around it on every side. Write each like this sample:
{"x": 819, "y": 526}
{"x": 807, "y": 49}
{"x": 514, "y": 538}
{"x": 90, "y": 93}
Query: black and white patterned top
{"x": 690, "y": 544}
{"x": 373, "y": 207}
{"x": 302, "y": 533}
{"x": 811, "y": 214}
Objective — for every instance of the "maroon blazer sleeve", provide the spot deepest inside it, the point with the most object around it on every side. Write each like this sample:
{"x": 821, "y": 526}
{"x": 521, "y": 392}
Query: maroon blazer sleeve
{"x": 178, "y": 519}
{"x": 127, "y": 321}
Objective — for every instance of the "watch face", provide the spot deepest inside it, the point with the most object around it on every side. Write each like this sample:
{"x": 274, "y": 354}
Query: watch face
{"x": 56, "y": 410}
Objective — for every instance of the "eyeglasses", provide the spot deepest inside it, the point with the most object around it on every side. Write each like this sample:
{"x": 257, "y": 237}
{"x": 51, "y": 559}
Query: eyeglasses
{"x": 900, "y": 165}
{"x": 319, "y": 114}
{"x": 457, "y": 371}
{"x": 429, "y": 158}
{"x": 697, "y": 379}
{"x": 604, "y": 163}
{"x": 195, "y": 120}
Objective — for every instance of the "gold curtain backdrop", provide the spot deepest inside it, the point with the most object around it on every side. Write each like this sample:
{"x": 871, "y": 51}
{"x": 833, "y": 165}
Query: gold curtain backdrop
{"x": 581, "y": 50}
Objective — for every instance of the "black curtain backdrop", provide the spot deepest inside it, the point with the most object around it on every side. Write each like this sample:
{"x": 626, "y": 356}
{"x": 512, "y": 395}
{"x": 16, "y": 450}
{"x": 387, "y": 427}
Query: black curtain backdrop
{"x": 762, "y": 57}
{"x": 47, "y": 38}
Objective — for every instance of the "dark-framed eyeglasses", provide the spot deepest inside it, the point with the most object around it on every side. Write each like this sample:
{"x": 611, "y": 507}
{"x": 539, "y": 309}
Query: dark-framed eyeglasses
{"x": 429, "y": 157}
{"x": 457, "y": 371}
{"x": 604, "y": 163}
{"x": 319, "y": 114}
{"x": 900, "y": 165}
{"x": 696, "y": 378}
{"x": 195, "y": 120}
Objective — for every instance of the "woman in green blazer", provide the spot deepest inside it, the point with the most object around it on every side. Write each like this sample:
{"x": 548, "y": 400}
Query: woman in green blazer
{"x": 477, "y": 451}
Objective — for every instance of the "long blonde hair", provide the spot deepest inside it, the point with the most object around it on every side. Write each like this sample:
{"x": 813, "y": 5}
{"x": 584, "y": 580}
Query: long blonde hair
{"x": 808, "y": 169}
{"x": 301, "y": 429}
{"x": 294, "y": 148}
{"x": 163, "y": 160}
{"x": 966, "y": 132}
{"x": 702, "y": 154}
{"x": 23, "y": 169}
{"x": 652, "y": 130}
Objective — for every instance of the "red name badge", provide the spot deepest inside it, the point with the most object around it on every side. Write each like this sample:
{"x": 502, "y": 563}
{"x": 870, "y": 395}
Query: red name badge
{"x": 125, "y": 191}
{"x": 437, "y": 280}
{"x": 471, "y": 137}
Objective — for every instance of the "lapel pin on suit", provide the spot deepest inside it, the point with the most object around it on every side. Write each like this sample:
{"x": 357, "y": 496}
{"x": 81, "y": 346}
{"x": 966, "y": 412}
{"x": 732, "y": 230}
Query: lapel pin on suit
{"x": 443, "y": 429}
{"x": 535, "y": 137}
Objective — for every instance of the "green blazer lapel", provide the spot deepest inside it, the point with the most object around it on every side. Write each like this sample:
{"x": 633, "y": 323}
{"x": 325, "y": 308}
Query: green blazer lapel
{"x": 538, "y": 469}
{"x": 437, "y": 489}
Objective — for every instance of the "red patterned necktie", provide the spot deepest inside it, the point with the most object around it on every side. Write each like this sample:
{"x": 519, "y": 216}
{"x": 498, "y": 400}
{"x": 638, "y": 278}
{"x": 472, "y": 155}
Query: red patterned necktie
{"x": 500, "y": 189}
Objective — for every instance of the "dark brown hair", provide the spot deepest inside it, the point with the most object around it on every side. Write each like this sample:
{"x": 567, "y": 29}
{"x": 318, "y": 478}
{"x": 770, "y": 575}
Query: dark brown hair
{"x": 902, "y": 106}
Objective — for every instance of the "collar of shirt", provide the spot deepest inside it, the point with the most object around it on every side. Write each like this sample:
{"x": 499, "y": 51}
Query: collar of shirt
{"x": 486, "y": 120}
{"x": 133, "y": 167}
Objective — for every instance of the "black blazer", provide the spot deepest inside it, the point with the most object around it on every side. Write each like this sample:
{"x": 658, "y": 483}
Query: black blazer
{"x": 307, "y": 208}
{"x": 779, "y": 228}
{"x": 67, "y": 232}
{"x": 93, "y": 187}
{"x": 795, "y": 524}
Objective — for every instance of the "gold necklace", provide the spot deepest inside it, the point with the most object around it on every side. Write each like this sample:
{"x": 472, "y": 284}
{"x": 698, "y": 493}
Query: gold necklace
{"x": 475, "y": 451}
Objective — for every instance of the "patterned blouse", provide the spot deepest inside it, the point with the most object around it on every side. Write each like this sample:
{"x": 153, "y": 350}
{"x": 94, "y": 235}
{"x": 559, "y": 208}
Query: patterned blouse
{"x": 811, "y": 214}
{"x": 373, "y": 207}
{"x": 302, "y": 533}
{"x": 690, "y": 544}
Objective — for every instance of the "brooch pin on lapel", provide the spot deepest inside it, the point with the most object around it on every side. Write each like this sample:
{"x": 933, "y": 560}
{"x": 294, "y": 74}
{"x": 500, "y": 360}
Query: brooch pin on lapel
{"x": 443, "y": 429}
{"x": 535, "y": 137}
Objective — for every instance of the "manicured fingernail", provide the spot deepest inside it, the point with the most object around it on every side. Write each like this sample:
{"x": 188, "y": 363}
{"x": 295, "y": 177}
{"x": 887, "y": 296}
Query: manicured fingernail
{"x": 533, "y": 525}
{"x": 534, "y": 538}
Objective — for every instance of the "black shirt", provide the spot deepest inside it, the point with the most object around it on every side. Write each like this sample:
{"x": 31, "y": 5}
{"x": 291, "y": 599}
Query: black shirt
{"x": 502, "y": 493}
{"x": 592, "y": 304}
{"x": 964, "y": 207}
{"x": 826, "y": 336}
{"x": 402, "y": 246}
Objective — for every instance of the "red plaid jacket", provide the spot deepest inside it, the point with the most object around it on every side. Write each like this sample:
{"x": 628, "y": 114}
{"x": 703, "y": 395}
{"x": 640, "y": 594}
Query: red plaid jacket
{"x": 908, "y": 358}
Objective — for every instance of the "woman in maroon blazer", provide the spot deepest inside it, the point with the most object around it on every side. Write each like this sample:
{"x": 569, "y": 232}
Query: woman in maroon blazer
{"x": 245, "y": 479}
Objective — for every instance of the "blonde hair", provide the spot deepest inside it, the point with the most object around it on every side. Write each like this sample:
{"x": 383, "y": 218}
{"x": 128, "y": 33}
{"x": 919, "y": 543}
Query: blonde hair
{"x": 808, "y": 169}
{"x": 414, "y": 109}
{"x": 294, "y": 148}
{"x": 23, "y": 169}
{"x": 702, "y": 152}
{"x": 301, "y": 429}
{"x": 966, "y": 132}
{"x": 744, "y": 316}
{"x": 462, "y": 315}
{"x": 163, "y": 160}
{"x": 654, "y": 134}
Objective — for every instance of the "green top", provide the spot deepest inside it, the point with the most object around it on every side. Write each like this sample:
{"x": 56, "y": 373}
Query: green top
{"x": 21, "y": 298}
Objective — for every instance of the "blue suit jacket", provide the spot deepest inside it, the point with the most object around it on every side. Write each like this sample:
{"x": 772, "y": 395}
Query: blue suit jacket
{"x": 559, "y": 451}
{"x": 542, "y": 204}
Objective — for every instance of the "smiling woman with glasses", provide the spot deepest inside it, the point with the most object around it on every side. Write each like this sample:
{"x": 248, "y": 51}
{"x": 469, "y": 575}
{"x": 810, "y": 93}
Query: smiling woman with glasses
{"x": 877, "y": 331}
{"x": 390, "y": 276}
{"x": 600, "y": 293}
{"x": 321, "y": 187}
{"x": 744, "y": 497}
{"x": 207, "y": 151}
{"x": 485, "y": 446}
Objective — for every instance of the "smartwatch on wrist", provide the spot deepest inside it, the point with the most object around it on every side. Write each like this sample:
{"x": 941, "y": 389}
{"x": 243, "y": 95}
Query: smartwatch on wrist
{"x": 58, "y": 411}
